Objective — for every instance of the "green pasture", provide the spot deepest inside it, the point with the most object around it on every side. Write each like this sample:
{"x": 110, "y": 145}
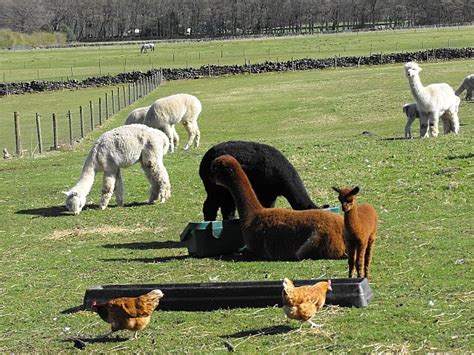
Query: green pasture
{"x": 338, "y": 127}
{"x": 78, "y": 63}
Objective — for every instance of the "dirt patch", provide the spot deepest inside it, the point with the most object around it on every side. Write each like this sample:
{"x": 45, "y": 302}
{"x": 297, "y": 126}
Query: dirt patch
{"x": 105, "y": 230}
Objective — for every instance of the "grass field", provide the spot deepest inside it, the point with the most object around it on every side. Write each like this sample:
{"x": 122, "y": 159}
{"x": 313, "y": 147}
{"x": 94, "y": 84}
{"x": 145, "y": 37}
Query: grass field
{"x": 422, "y": 189}
{"x": 53, "y": 64}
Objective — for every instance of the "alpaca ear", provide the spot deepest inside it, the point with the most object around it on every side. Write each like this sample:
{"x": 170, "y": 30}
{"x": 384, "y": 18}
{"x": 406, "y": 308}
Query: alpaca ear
{"x": 65, "y": 193}
{"x": 336, "y": 189}
{"x": 354, "y": 191}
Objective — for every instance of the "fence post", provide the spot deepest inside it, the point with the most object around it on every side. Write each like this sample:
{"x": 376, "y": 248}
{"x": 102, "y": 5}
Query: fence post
{"x": 118, "y": 99}
{"x": 55, "y": 132}
{"x": 81, "y": 121}
{"x": 129, "y": 95}
{"x": 38, "y": 132}
{"x": 69, "y": 119}
{"x": 91, "y": 111}
{"x": 100, "y": 111}
{"x": 106, "y": 106}
{"x": 112, "y": 101}
{"x": 135, "y": 91}
{"x": 16, "y": 118}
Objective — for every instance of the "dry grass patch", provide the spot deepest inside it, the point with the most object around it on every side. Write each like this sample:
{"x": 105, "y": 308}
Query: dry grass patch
{"x": 104, "y": 230}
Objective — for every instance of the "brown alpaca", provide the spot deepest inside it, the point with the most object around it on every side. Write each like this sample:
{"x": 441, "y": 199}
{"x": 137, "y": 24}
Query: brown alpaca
{"x": 360, "y": 225}
{"x": 278, "y": 233}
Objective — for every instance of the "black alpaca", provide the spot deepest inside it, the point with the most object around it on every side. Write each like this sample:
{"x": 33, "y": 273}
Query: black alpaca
{"x": 269, "y": 172}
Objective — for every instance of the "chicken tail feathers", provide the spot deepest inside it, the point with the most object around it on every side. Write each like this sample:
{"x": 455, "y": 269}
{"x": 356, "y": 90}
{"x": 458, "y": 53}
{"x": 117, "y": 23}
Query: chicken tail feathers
{"x": 288, "y": 286}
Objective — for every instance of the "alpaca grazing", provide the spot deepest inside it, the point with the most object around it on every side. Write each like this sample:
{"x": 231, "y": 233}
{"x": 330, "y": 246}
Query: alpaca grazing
{"x": 467, "y": 84}
{"x": 278, "y": 233}
{"x": 433, "y": 101}
{"x": 120, "y": 148}
{"x": 360, "y": 231}
{"x": 166, "y": 112}
{"x": 269, "y": 172}
{"x": 138, "y": 116}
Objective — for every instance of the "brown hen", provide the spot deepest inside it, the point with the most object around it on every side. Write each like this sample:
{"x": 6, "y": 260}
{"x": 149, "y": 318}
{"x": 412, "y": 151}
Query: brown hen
{"x": 131, "y": 313}
{"x": 302, "y": 303}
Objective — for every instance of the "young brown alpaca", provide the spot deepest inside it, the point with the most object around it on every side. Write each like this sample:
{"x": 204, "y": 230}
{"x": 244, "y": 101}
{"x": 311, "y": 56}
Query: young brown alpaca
{"x": 360, "y": 230}
{"x": 278, "y": 233}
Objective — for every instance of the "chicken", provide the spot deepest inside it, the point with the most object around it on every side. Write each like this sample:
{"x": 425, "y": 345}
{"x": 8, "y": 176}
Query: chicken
{"x": 132, "y": 313}
{"x": 303, "y": 302}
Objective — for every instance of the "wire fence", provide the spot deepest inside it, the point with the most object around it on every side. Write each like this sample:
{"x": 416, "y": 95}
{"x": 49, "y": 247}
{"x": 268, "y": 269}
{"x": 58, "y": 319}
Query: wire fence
{"x": 68, "y": 128}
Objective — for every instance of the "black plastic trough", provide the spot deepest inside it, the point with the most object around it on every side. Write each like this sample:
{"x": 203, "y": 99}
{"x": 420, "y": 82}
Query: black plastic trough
{"x": 212, "y": 296}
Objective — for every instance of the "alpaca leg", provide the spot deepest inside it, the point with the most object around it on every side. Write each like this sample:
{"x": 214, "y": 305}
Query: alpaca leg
{"x": 193, "y": 132}
{"x": 352, "y": 259}
{"x": 169, "y": 131}
{"x": 446, "y": 118}
{"x": 408, "y": 127}
{"x": 108, "y": 184}
{"x": 423, "y": 125}
{"x": 119, "y": 189}
{"x": 455, "y": 123}
{"x": 469, "y": 94}
{"x": 368, "y": 255}
{"x": 157, "y": 174}
{"x": 175, "y": 137}
{"x": 433, "y": 125}
{"x": 360, "y": 261}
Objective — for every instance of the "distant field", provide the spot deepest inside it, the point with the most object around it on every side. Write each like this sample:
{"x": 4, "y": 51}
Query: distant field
{"x": 54, "y": 64}
{"x": 338, "y": 127}
{"x": 60, "y": 102}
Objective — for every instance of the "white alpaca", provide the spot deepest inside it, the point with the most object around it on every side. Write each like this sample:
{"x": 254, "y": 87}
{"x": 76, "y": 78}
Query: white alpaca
{"x": 138, "y": 116}
{"x": 166, "y": 112}
{"x": 467, "y": 84}
{"x": 120, "y": 148}
{"x": 433, "y": 101}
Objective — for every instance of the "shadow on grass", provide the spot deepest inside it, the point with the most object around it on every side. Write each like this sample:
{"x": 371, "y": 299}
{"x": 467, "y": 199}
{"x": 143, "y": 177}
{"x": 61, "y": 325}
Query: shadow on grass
{"x": 81, "y": 343}
{"x": 163, "y": 259}
{"x": 394, "y": 139}
{"x": 277, "y": 329}
{"x": 53, "y": 211}
{"x": 464, "y": 156}
{"x": 61, "y": 211}
{"x": 168, "y": 244}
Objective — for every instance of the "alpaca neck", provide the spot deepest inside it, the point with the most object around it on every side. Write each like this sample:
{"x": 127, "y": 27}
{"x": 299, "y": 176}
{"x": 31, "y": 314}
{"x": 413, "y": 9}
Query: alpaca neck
{"x": 351, "y": 218}
{"x": 245, "y": 198}
{"x": 86, "y": 180}
{"x": 418, "y": 90}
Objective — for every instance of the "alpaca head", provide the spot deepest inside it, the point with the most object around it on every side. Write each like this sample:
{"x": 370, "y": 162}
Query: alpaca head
{"x": 74, "y": 202}
{"x": 412, "y": 69}
{"x": 347, "y": 197}
{"x": 223, "y": 169}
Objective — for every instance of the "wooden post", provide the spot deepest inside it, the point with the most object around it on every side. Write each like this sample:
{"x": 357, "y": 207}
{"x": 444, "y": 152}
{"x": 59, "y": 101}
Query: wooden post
{"x": 55, "y": 132}
{"x": 106, "y": 106}
{"x": 91, "y": 111}
{"x": 38, "y": 133}
{"x": 100, "y": 111}
{"x": 19, "y": 149}
{"x": 69, "y": 119}
{"x": 129, "y": 95}
{"x": 118, "y": 99}
{"x": 81, "y": 121}
{"x": 112, "y": 101}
